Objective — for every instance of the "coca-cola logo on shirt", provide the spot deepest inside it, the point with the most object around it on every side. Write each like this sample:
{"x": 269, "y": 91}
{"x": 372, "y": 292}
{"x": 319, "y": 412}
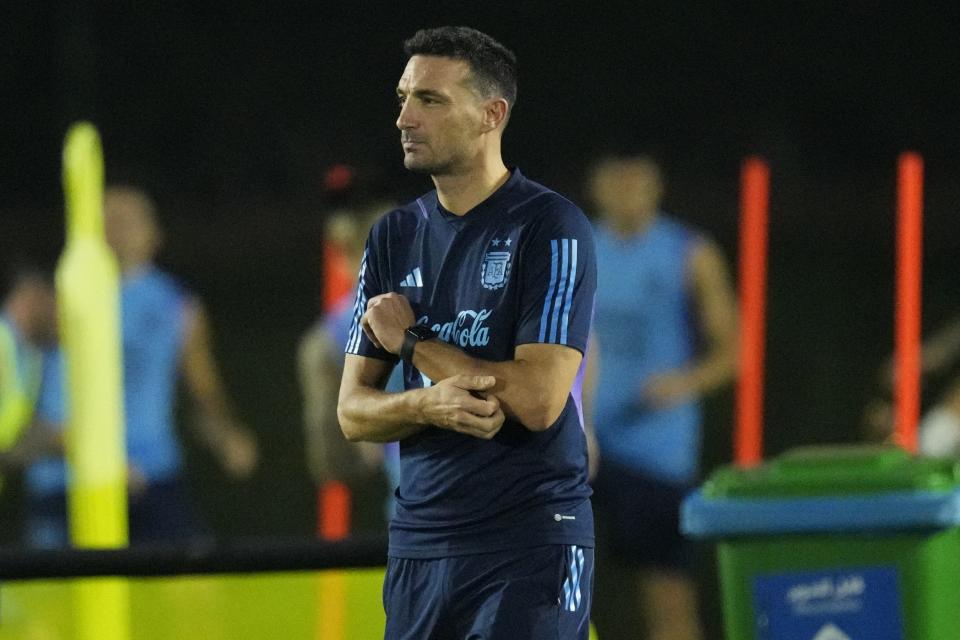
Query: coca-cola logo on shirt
{"x": 467, "y": 330}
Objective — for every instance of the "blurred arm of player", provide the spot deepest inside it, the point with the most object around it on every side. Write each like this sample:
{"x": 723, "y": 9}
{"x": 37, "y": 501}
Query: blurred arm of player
{"x": 532, "y": 388}
{"x": 38, "y": 440}
{"x": 591, "y": 375}
{"x": 937, "y": 354}
{"x": 321, "y": 367}
{"x": 940, "y": 427}
{"x": 231, "y": 441}
{"x": 715, "y": 302}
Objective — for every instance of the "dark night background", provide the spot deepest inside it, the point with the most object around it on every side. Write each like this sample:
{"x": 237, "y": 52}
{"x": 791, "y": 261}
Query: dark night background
{"x": 231, "y": 112}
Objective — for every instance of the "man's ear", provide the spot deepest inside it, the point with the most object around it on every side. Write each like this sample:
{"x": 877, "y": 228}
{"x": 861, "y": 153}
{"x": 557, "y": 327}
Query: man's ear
{"x": 494, "y": 113}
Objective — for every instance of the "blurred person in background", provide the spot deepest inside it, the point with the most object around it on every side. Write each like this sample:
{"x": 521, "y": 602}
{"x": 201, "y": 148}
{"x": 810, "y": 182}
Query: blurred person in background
{"x": 166, "y": 339}
{"x": 939, "y": 429}
{"x": 665, "y": 330}
{"x": 28, "y": 330}
{"x": 331, "y": 459}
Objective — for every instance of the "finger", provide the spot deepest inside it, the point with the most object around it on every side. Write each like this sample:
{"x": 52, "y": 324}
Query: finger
{"x": 477, "y": 426}
{"x": 476, "y": 383}
{"x": 368, "y": 331}
{"x": 484, "y": 407}
{"x": 375, "y": 300}
{"x": 470, "y": 401}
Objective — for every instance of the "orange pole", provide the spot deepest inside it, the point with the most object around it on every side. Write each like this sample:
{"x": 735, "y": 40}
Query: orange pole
{"x": 754, "y": 207}
{"x": 338, "y": 275}
{"x": 333, "y": 523}
{"x": 334, "y": 505}
{"x": 908, "y": 304}
{"x": 333, "y": 498}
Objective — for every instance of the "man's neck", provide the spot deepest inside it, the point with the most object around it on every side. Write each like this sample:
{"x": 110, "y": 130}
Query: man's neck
{"x": 634, "y": 226}
{"x": 459, "y": 193}
{"x": 132, "y": 268}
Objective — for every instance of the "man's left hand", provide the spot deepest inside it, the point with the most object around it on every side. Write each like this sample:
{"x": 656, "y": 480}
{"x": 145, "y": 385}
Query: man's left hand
{"x": 238, "y": 453}
{"x": 387, "y": 317}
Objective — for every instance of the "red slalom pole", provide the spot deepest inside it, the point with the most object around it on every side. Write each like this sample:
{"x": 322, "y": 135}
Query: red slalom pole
{"x": 333, "y": 498}
{"x": 338, "y": 275}
{"x": 908, "y": 297}
{"x": 334, "y": 506}
{"x": 754, "y": 207}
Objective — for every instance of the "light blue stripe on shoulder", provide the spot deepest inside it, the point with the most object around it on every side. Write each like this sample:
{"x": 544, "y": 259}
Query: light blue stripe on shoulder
{"x": 572, "y": 279}
{"x": 561, "y": 289}
{"x": 549, "y": 296}
{"x": 355, "y": 330}
{"x": 353, "y": 342}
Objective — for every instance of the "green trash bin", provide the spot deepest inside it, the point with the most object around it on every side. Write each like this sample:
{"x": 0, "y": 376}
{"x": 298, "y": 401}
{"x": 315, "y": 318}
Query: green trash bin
{"x": 842, "y": 543}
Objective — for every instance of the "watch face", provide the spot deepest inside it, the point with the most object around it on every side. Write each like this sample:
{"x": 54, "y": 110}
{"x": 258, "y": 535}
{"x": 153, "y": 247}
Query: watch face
{"x": 422, "y": 332}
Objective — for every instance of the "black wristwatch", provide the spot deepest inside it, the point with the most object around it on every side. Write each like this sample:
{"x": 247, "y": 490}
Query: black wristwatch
{"x": 411, "y": 337}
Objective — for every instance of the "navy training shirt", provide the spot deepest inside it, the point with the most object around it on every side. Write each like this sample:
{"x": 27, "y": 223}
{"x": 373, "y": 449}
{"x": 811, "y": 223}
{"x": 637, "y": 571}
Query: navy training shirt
{"x": 518, "y": 268}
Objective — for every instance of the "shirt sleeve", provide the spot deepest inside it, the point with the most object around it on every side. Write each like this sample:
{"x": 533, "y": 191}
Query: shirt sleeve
{"x": 558, "y": 279}
{"x": 369, "y": 284}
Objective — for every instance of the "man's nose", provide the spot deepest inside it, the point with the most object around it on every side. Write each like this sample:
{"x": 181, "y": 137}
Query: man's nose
{"x": 405, "y": 119}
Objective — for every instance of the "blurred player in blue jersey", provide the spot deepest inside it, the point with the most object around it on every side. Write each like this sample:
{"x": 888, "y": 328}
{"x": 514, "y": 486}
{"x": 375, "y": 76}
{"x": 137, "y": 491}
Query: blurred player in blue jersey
{"x": 28, "y": 328}
{"x": 166, "y": 337}
{"x": 330, "y": 458}
{"x": 666, "y": 331}
{"x": 484, "y": 289}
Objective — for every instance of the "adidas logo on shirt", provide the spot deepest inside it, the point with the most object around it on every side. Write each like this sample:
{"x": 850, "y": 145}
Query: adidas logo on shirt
{"x": 413, "y": 279}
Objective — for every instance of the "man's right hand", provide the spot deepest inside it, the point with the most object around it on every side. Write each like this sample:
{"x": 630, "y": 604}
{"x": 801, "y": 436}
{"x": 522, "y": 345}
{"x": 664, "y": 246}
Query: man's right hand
{"x": 459, "y": 403}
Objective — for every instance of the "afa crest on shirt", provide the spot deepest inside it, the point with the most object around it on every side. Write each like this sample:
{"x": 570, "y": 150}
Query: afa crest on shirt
{"x": 495, "y": 269}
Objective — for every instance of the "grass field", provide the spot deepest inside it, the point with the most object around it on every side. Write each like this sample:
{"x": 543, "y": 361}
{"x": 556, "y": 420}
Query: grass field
{"x": 328, "y": 605}
{"x": 331, "y": 605}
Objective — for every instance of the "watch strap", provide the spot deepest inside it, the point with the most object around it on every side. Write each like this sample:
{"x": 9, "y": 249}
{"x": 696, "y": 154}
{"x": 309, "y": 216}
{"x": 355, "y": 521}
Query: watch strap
{"x": 413, "y": 335}
{"x": 410, "y": 341}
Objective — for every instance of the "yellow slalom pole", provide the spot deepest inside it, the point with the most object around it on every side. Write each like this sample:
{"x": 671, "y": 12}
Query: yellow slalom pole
{"x": 88, "y": 297}
{"x": 89, "y": 306}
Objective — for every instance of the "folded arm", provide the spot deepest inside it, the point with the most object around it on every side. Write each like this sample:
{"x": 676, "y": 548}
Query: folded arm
{"x": 532, "y": 388}
{"x": 368, "y": 413}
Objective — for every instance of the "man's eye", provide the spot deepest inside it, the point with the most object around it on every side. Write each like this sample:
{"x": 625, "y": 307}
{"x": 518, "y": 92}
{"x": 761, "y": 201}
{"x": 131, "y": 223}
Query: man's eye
{"x": 400, "y": 100}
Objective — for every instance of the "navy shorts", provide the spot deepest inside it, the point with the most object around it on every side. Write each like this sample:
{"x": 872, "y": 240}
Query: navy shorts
{"x": 540, "y": 593}
{"x": 638, "y": 519}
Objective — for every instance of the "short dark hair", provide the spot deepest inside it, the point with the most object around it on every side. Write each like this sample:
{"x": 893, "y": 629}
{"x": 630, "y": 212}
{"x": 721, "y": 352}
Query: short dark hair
{"x": 494, "y": 66}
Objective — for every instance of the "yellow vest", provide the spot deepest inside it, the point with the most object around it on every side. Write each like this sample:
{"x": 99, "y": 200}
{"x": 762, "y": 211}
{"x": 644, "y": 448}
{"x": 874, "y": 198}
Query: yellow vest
{"x": 19, "y": 385}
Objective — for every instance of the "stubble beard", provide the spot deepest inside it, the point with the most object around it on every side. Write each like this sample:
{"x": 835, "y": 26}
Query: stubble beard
{"x": 434, "y": 165}
{"x": 427, "y": 168}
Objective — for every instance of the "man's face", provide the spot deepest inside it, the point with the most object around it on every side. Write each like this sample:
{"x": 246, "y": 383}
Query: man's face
{"x": 605, "y": 185}
{"x": 441, "y": 115}
{"x": 629, "y": 190}
{"x": 130, "y": 229}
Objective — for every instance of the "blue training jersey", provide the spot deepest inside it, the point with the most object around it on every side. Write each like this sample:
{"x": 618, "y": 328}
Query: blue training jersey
{"x": 643, "y": 327}
{"x": 519, "y": 268}
{"x": 153, "y": 313}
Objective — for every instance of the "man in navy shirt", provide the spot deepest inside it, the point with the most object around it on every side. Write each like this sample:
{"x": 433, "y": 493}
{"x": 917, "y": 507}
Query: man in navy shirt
{"x": 484, "y": 289}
